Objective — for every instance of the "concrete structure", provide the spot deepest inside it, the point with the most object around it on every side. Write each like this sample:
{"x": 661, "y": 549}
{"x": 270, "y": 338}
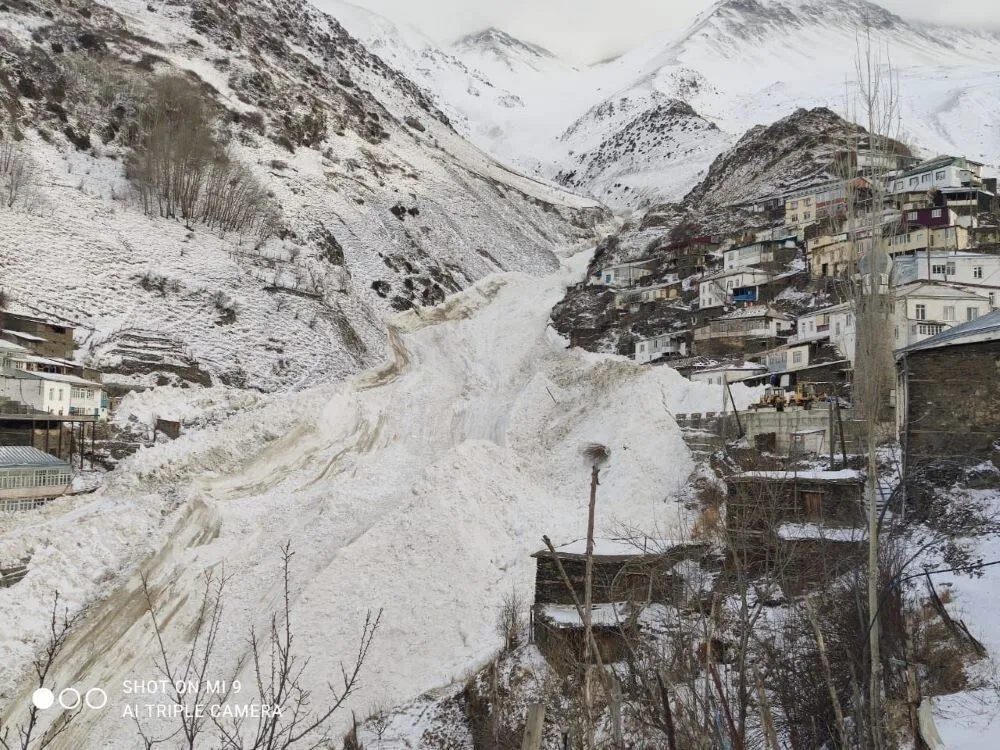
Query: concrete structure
{"x": 808, "y": 205}
{"x": 29, "y": 478}
{"x": 948, "y": 394}
{"x": 940, "y": 172}
{"x": 759, "y": 322}
{"x": 785, "y": 429}
{"x": 741, "y": 285}
{"x": 671, "y": 344}
{"x": 11, "y": 354}
{"x": 926, "y": 308}
{"x": 974, "y": 272}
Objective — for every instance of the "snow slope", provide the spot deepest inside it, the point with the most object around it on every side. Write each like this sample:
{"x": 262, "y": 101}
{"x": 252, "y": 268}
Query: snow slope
{"x": 385, "y": 206}
{"x": 420, "y": 487}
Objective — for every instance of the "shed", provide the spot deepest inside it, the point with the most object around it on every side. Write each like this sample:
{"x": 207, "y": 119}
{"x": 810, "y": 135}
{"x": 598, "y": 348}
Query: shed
{"x": 628, "y": 576}
{"x": 759, "y": 504}
{"x": 30, "y": 477}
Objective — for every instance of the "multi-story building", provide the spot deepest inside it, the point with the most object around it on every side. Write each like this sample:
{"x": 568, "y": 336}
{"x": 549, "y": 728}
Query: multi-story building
{"x": 926, "y": 308}
{"x": 672, "y": 344}
{"x": 741, "y": 285}
{"x": 759, "y": 253}
{"x": 928, "y": 238}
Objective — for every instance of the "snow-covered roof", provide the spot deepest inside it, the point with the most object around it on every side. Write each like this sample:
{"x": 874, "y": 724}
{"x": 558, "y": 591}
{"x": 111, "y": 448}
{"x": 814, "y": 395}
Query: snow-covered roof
{"x": 22, "y": 335}
{"x": 985, "y": 328}
{"x": 843, "y": 306}
{"x": 936, "y": 290}
{"x": 24, "y": 456}
{"x": 617, "y": 547}
{"x": 601, "y": 615}
{"x": 750, "y": 270}
{"x": 807, "y": 531}
{"x": 12, "y": 348}
{"x": 15, "y": 374}
{"x": 843, "y": 475}
{"x": 758, "y": 311}
{"x": 753, "y": 366}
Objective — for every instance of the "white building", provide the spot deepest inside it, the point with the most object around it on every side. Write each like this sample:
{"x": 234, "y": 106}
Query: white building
{"x": 925, "y": 308}
{"x": 731, "y": 373}
{"x": 973, "y": 271}
{"x": 762, "y": 251}
{"x": 835, "y": 323}
{"x": 729, "y": 287}
{"x": 624, "y": 274}
{"x": 12, "y": 354}
{"x": 62, "y": 395}
{"x": 674, "y": 343}
{"x": 940, "y": 172}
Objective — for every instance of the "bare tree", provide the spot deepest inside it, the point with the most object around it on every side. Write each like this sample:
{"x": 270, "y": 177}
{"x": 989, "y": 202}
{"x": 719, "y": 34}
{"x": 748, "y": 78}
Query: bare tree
{"x": 25, "y": 736}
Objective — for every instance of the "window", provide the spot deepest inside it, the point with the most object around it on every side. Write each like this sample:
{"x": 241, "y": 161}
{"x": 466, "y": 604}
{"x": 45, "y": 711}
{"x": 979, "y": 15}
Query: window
{"x": 929, "y": 329}
{"x": 52, "y": 394}
{"x": 921, "y": 312}
{"x": 971, "y": 313}
{"x": 939, "y": 175}
{"x": 938, "y": 269}
{"x": 808, "y": 201}
{"x": 837, "y": 328}
{"x": 926, "y": 177}
{"x": 806, "y": 216}
{"x": 912, "y": 216}
{"x": 937, "y": 213}
{"x": 794, "y": 218}
{"x": 795, "y": 204}
{"x": 899, "y": 185}
{"x": 949, "y": 313}
{"x": 993, "y": 300}
{"x": 977, "y": 272}
{"x": 949, "y": 268}
{"x": 895, "y": 332}
{"x": 796, "y": 358}
{"x": 812, "y": 504}
{"x": 914, "y": 181}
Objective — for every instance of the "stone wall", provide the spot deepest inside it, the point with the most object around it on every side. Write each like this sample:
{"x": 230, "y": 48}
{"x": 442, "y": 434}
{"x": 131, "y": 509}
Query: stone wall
{"x": 952, "y": 402}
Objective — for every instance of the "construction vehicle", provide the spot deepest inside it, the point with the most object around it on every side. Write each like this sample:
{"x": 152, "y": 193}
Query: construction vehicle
{"x": 804, "y": 395}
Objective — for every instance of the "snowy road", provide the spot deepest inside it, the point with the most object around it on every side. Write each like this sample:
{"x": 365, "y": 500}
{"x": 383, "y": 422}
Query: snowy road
{"x": 420, "y": 487}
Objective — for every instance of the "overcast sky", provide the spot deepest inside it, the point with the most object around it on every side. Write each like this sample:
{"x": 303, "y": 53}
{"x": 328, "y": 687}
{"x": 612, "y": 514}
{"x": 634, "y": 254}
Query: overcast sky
{"x": 585, "y": 31}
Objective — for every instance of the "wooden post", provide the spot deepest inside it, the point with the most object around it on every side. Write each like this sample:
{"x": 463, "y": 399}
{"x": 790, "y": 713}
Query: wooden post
{"x": 59, "y": 449}
{"x": 532, "y": 739}
{"x": 588, "y": 596}
{"x": 770, "y": 734}
{"x": 668, "y": 714}
{"x": 840, "y": 424}
{"x": 833, "y": 439}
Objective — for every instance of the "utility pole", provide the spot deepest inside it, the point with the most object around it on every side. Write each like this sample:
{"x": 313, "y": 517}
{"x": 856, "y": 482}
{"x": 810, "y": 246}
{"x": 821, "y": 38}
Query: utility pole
{"x": 597, "y": 454}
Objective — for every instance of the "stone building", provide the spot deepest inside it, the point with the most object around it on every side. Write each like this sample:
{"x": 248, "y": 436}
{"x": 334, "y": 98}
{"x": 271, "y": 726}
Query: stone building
{"x": 948, "y": 394}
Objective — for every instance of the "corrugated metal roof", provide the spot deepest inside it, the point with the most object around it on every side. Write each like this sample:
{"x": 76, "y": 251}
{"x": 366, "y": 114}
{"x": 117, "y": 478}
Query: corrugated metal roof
{"x": 24, "y": 456}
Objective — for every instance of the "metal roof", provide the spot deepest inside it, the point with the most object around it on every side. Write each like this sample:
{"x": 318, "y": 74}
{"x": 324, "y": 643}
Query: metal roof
{"x": 985, "y": 328}
{"x": 24, "y": 456}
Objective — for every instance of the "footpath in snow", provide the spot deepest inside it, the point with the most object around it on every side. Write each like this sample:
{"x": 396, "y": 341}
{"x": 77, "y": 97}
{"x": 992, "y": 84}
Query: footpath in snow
{"x": 420, "y": 487}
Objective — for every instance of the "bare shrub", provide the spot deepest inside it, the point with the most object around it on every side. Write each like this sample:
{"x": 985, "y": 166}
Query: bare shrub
{"x": 17, "y": 173}
{"x": 508, "y": 623}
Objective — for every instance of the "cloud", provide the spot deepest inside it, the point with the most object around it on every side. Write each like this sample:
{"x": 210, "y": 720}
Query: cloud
{"x": 584, "y": 31}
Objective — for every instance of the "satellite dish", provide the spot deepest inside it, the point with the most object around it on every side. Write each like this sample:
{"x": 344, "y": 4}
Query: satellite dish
{"x": 883, "y": 260}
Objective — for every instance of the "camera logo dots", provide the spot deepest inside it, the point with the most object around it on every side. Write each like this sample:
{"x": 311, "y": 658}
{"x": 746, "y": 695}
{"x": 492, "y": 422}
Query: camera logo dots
{"x": 69, "y": 699}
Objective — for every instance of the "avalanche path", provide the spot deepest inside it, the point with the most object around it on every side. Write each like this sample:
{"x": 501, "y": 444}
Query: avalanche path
{"x": 420, "y": 487}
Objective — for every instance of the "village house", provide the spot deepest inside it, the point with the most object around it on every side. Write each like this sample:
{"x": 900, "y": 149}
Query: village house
{"x": 52, "y": 393}
{"x": 670, "y": 344}
{"x": 948, "y": 394}
{"x": 739, "y": 286}
{"x": 928, "y": 238}
{"x": 835, "y": 324}
{"x": 29, "y": 478}
{"x": 951, "y": 182}
{"x": 810, "y": 205}
{"x": 628, "y": 576}
{"x": 731, "y": 372}
{"x": 691, "y": 256}
{"x": 974, "y": 272}
{"x": 747, "y": 329}
{"x": 808, "y": 524}
{"x": 632, "y": 299}
{"x": 926, "y": 308}
{"x": 625, "y": 274}
{"x": 43, "y": 337}
{"x": 760, "y": 253}
{"x": 836, "y": 254}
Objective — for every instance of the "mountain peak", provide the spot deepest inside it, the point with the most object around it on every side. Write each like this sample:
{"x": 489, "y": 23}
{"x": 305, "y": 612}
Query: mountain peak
{"x": 499, "y": 41}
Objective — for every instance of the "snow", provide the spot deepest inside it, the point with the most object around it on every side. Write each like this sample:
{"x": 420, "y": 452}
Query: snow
{"x": 841, "y": 475}
{"x": 615, "y": 547}
{"x": 812, "y": 531}
{"x": 421, "y": 487}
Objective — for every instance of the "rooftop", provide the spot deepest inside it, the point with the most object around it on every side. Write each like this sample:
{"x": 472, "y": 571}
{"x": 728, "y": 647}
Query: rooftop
{"x": 618, "y": 549}
{"x": 842, "y": 476}
{"x": 24, "y": 456}
{"x": 933, "y": 289}
{"x": 24, "y": 336}
{"x": 758, "y": 311}
{"x": 737, "y": 272}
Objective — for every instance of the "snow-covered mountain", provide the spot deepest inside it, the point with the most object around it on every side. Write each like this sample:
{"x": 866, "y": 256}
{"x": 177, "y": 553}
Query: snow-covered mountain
{"x": 741, "y": 63}
{"x": 381, "y": 204}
